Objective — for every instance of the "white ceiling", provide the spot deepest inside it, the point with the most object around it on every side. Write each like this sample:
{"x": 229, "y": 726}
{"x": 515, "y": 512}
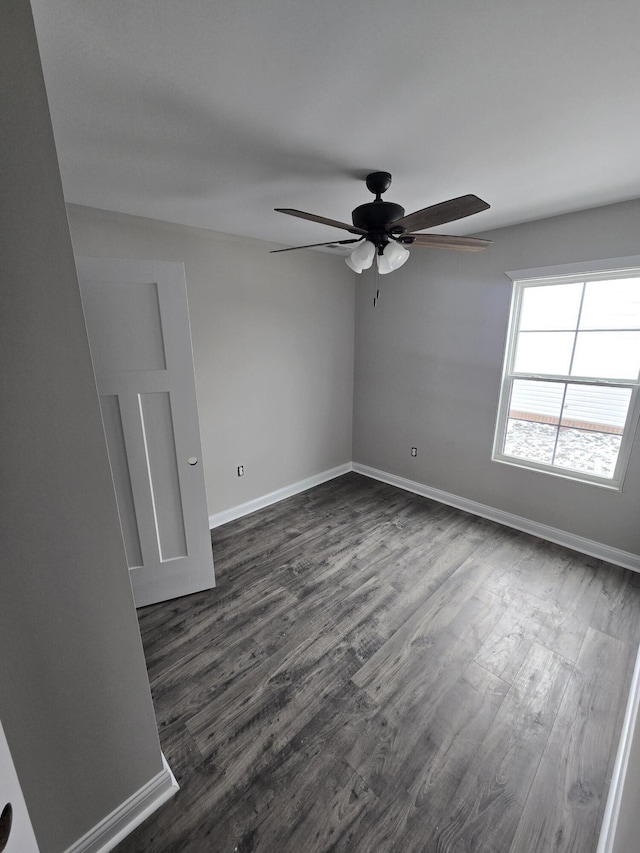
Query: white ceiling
{"x": 213, "y": 112}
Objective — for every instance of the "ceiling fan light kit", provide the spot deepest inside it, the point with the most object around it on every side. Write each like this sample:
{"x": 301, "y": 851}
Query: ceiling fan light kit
{"x": 385, "y": 232}
{"x": 388, "y": 258}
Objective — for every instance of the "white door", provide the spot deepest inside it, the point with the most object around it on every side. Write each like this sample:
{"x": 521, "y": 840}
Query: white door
{"x": 138, "y": 326}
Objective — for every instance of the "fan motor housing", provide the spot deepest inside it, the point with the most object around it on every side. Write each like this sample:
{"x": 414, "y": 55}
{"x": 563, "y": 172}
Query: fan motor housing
{"x": 376, "y": 215}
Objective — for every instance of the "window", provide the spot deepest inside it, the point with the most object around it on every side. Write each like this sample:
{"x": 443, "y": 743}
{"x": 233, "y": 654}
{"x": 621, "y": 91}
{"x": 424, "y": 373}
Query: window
{"x": 569, "y": 398}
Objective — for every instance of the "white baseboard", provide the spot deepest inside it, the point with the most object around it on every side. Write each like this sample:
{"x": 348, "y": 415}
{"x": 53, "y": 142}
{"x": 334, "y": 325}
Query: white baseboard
{"x": 607, "y": 840}
{"x": 129, "y": 814}
{"x": 561, "y": 537}
{"x": 578, "y": 543}
{"x": 279, "y": 495}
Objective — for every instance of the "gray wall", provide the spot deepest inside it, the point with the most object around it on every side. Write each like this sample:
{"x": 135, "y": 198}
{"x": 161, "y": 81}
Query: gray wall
{"x": 74, "y": 696}
{"x": 273, "y": 348}
{"x": 428, "y": 366}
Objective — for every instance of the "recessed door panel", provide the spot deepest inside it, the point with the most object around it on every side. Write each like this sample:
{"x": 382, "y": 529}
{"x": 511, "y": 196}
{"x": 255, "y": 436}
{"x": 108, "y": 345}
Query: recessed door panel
{"x": 112, "y": 420}
{"x": 124, "y": 325}
{"x": 160, "y": 447}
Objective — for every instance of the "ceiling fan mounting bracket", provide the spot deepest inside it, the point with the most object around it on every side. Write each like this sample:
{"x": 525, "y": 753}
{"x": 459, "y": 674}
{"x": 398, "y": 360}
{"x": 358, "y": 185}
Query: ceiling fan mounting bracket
{"x": 378, "y": 183}
{"x": 376, "y": 216}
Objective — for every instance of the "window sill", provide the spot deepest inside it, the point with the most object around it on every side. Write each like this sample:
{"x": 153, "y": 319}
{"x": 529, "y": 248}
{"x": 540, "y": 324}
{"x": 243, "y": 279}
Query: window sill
{"x": 568, "y": 474}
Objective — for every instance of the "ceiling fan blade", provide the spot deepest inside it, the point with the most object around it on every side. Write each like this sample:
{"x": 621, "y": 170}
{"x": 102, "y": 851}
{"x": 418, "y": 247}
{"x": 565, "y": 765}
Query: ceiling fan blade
{"x": 439, "y": 214}
{"x": 321, "y": 219}
{"x": 445, "y": 241}
{"x": 311, "y": 245}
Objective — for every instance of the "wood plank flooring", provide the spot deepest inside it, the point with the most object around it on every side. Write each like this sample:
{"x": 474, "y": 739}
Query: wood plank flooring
{"x": 378, "y": 673}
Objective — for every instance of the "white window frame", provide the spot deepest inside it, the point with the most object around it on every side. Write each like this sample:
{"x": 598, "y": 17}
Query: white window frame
{"x": 592, "y": 271}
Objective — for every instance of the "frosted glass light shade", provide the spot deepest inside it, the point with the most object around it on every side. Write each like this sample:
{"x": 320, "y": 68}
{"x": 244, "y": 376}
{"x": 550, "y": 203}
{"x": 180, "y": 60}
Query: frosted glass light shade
{"x": 392, "y": 258}
{"x": 384, "y": 267}
{"x": 355, "y": 267}
{"x": 363, "y": 254}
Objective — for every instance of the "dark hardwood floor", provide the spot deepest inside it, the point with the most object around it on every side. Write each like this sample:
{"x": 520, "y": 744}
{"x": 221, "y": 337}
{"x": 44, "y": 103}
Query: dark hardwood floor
{"x": 378, "y": 672}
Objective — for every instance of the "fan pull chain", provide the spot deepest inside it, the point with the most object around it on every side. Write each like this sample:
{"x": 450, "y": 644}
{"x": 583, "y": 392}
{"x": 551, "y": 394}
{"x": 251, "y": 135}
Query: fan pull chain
{"x": 376, "y": 298}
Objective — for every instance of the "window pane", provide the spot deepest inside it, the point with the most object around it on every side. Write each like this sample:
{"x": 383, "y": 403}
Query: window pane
{"x": 591, "y": 452}
{"x": 528, "y": 440}
{"x": 596, "y": 408}
{"x": 544, "y": 352}
{"x": 550, "y": 306}
{"x": 532, "y": 400}
{"x": 607, "y": 355}
{"x": 611, "y": 305}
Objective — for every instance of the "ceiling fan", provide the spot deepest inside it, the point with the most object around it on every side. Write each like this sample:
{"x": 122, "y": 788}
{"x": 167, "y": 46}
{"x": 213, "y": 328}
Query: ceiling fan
{"x": 384, "y": 232}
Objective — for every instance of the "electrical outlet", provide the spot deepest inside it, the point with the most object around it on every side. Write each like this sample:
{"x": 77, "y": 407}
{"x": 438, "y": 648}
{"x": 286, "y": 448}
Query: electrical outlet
{"x": 414, "y": 451}
{"x": 240, "y": 470}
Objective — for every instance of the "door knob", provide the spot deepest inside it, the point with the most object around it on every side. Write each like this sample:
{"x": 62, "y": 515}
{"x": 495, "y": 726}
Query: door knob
{"x": 192, "y": 460}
